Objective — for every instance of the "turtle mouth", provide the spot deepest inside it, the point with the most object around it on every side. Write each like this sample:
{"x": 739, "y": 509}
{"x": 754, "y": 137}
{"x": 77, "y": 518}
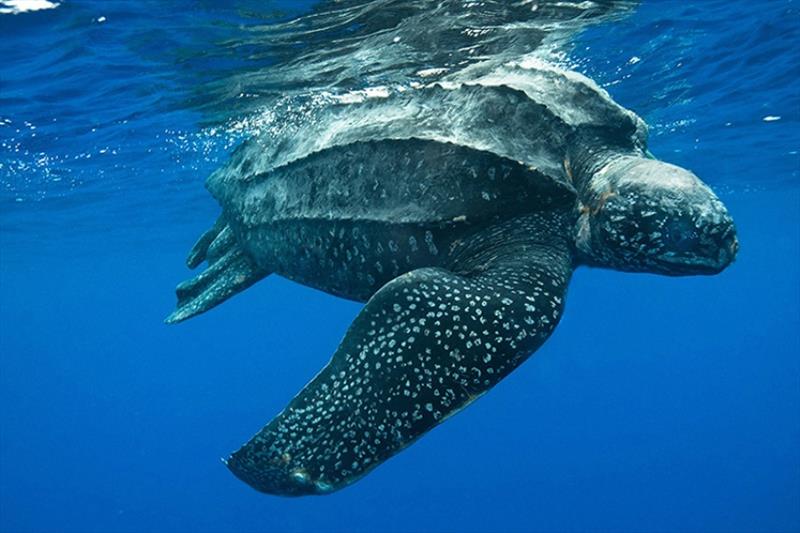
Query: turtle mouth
{"x": 701, "y": 264}
{"x": 689, "y": 267}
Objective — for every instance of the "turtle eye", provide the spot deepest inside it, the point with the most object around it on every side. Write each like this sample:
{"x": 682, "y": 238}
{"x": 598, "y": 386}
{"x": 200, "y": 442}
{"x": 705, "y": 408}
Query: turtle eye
{"x": 679, "y": 235}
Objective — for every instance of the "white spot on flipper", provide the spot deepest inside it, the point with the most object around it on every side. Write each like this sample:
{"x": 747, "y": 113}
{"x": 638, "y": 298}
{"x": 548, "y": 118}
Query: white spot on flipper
{"x": 323, "y": 486}
{"x": 300, "y": 476}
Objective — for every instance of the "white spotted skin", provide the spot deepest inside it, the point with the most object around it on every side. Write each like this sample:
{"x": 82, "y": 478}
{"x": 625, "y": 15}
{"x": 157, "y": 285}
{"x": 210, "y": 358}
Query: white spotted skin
{"x": 353, "y": 259}
{"x": 427, "y": 344}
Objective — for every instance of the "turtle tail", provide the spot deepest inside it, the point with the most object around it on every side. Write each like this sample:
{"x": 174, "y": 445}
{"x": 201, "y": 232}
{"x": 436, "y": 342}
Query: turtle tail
{"x": 229, "y": 271}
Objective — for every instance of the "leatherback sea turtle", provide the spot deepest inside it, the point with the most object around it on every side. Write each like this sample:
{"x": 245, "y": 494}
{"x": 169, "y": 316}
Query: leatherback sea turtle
{"x": 457, "y": 211}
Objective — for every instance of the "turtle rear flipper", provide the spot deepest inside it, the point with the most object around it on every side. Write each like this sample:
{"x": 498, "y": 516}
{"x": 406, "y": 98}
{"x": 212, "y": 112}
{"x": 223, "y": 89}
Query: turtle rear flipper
{"x": 200, "y": 249}
{"x": 230, "y": 271}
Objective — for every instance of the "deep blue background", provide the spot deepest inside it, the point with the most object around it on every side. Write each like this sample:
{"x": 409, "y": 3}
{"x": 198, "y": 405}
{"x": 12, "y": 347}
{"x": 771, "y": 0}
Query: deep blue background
{"x": 659, "y": 404}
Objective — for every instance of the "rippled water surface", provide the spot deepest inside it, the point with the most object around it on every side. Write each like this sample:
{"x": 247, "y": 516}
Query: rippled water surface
{"x": 102, "y": 98}
{"x": 659, "y": 404}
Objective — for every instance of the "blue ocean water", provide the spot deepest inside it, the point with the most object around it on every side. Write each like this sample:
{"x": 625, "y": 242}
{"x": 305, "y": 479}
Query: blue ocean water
{"x": 659, "y": 404}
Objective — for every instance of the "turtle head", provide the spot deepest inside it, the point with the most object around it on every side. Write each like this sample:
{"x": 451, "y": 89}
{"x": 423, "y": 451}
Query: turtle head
{"x": 645, "y": 215}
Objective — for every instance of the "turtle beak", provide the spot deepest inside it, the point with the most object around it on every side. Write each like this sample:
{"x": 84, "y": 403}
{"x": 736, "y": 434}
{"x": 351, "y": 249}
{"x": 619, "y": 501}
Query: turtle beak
{"x": 728, "y": 253}
{"x": 733, "y": 249}
{"x": 727, "y": 245}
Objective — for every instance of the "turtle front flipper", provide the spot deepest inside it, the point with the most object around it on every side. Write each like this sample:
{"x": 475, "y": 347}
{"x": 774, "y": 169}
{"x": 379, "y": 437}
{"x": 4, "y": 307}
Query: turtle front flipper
{"x": 424, "y": 347}
{"x": 230, "y": 271}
